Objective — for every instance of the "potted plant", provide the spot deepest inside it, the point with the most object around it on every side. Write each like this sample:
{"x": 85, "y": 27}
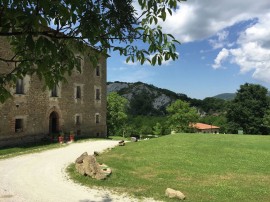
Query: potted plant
{"x": 71, "y": 136}
{"x": 61, "y": 137}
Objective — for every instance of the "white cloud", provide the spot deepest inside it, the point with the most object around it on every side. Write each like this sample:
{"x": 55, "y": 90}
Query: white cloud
{"x": 220, "y": 41}
{"x": 196, "y": 20}
{"x": 258, "y": 32}
{"x": 250, "y": 56}
{"x": 253, "y": 51}
{"x": 223, "y": 55}
{"x": 262, "y": 74}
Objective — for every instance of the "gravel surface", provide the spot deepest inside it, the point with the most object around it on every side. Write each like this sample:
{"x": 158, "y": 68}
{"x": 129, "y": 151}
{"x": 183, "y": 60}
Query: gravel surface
{"x": 41, "y": 177}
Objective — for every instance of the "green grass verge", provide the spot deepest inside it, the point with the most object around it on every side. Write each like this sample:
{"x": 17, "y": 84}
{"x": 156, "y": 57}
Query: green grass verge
{"x": 27, "y": 149}
{"x": 9, "y": 152}
{"x": 119, "y": 138}
{"x": 204, "y": 167}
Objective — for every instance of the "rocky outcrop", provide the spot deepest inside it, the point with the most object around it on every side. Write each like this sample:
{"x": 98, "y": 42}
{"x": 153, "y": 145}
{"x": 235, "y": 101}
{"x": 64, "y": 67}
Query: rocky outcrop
{"x": 115, "y": 87}
{"x": 162, "y": 100}
{"x": 171, "y": 193}
{"x": 88, "y": 166}
{"x": 159, "y": 98}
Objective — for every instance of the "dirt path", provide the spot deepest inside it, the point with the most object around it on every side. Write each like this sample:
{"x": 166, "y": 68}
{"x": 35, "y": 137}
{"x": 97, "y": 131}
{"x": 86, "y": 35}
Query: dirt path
{"x": 41, "y": 177}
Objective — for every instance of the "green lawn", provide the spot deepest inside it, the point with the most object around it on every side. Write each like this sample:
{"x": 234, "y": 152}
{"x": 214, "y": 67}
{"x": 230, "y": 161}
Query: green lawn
{"x": 204, "y": 167}
{"x": 12, "y": 151}
{"x": 31, "y": 148}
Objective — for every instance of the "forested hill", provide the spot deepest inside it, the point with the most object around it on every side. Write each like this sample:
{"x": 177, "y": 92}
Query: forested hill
{"x": 144, "y": 99}
{"x": 147, "y": 99}
{"x": 230, "y": 96}
{"x": 226, "y": 96}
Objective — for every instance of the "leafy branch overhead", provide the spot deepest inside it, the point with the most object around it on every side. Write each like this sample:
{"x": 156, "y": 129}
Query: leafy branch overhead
{"x": 41, "y": 35}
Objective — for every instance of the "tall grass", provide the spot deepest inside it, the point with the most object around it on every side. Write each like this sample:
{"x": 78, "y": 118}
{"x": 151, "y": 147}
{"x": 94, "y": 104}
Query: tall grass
{"x": 204, "y": 167}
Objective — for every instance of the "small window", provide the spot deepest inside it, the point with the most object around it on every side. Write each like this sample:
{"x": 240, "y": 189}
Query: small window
{"x": 97, "y": 118}
{"x": 18, "y": 125}
{"x": 97, "y": 94}
{"x": 98, "y": 70}
{"x": 78, "y": 92}
{"x": 54, "y": 92}
{"x": 78, "y": 120}
{"x": 19, "y": 86}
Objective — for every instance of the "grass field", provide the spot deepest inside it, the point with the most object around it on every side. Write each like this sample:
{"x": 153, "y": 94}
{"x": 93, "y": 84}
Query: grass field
{"x": 31, "y": 148}
{"x": 12, "y": 151}
{"x": 204, "y": 167}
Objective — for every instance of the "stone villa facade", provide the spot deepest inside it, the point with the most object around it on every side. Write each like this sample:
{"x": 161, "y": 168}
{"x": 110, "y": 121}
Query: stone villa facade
{"x": 34, "y": 113}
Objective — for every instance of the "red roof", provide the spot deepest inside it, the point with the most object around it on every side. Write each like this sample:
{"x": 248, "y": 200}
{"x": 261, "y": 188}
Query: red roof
{"x": 203, "y": 126}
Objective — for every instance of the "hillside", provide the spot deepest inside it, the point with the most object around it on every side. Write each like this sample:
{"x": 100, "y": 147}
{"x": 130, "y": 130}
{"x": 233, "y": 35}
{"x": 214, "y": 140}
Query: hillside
{"x": 229, "y": 96}
{"x": 145, "y": 99}
{"x": 225, "y": 96}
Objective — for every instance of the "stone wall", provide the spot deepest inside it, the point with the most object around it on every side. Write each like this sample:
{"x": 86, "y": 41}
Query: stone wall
{"x": 36, "y": 114}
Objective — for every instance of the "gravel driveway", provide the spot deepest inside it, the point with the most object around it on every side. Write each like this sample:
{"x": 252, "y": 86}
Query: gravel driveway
{"x": 41, "y": 177}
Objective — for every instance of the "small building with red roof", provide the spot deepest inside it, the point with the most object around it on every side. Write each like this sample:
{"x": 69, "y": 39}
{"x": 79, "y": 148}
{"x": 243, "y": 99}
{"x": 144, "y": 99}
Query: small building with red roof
{"x": 205, "y": 128}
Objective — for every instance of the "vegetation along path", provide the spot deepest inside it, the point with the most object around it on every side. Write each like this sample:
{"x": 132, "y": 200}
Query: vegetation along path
{"x": 41, "y": 176}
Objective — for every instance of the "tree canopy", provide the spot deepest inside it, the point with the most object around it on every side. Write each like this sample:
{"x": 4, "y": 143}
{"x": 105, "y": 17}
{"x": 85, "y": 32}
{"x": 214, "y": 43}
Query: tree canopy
{"x": 181, "y": 116}
{"x": 41, "y": 34}
{"x": 212, "y": 105}
{"x": 116, "y": 113}
{"x": 248, "y": 110}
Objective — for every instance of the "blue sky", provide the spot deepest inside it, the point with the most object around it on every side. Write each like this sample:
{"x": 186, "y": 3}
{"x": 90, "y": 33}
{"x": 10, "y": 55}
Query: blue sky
{"x": 224, "y": 45}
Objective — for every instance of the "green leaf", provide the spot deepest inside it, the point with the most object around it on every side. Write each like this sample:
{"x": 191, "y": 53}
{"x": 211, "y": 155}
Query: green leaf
{"x": 29, "y": 42}
{"x": 154, "y": 60}
{"x": 169, "y": 10}
{"x": 159, "y": 60}
{"x": 163, "y": 14}
{"x": 127, "y": 60}
{"x": 167, "y": 56}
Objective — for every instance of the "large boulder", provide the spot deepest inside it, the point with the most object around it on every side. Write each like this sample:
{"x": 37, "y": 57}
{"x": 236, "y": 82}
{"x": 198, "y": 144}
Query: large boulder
{"x": 88, "y": 166}
{"x": 121, "y": 143}
{"x": 171, "y": 193}
{"x": 80, "y": 158}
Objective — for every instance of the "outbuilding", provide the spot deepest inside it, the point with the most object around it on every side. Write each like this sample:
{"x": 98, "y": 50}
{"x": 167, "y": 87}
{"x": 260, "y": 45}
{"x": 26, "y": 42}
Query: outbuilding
{"x": 205, "y": 128}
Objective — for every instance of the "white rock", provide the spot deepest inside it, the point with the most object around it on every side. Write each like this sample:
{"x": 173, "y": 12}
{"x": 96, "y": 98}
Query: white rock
{"x": 171, "y": 193}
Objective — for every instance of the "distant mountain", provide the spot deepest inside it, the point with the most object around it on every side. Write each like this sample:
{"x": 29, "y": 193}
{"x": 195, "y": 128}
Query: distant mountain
{"x": 229, "y": 96}
{"x": 226, "y": 96}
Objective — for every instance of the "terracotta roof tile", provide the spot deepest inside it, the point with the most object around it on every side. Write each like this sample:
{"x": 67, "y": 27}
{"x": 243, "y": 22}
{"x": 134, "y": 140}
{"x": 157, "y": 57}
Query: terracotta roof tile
{"x": 203, "y": 126}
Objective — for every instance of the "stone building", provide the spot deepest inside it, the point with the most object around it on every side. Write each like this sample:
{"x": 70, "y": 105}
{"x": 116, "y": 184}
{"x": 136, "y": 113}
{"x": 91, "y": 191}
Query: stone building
{"x": 34, "y": 113}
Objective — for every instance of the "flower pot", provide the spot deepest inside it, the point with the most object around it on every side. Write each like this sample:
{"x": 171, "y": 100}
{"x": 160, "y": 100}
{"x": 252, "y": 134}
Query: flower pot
{"x": 61, "y": 139}
{"x": 71, "y": 138}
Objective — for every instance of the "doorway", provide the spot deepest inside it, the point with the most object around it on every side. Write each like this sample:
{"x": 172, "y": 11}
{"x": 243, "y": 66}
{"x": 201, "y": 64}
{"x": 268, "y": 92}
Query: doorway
{"x": 54, "y": 123}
